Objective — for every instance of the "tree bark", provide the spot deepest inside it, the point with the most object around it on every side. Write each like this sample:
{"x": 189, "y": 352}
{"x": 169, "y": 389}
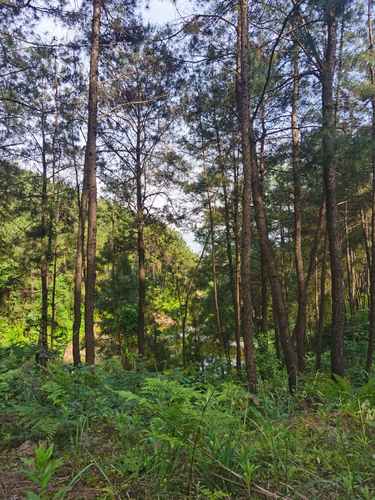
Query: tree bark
{"x": 78, "y": 270}
{"x": 243, "y": 100}
{"x": 237, "y": 263}
{"x": 90, "y": 168}
{"x": 43, "y": 334}
{"x": 264, "y": 295}
{"x": 278, "y": 303}
{"x": 320, "y": 325}
{"x": 349, "y": 267}
{"x": 140, "y": 244}
{"x": 371, "y": 68}
{"x": 54, "y": 217}
{"x": 329, "y": 174}
{"x": 300, "y": 326}
{"x": 53, "y": 297}
{"x": 263, "y": 273}
{"x": 141, "y": 283}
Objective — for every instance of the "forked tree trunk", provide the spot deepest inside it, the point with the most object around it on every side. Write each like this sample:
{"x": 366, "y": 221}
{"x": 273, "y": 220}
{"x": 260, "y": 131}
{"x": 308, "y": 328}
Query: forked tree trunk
{"x": 90, "y": 168}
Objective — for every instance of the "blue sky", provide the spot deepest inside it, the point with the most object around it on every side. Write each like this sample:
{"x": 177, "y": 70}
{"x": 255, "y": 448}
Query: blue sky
{"x": 162, "y": 11}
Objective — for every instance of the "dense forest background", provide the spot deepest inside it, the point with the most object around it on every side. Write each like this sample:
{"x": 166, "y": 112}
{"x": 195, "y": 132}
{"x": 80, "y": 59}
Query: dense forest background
{"x": 187, "y": 249}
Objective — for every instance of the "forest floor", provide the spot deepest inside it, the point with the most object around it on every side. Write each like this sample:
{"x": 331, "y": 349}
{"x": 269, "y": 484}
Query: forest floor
{"x": 180, "y": 434}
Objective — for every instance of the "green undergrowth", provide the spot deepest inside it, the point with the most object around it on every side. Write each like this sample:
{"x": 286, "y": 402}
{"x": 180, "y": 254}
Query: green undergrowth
{"x": 178, "y": 434}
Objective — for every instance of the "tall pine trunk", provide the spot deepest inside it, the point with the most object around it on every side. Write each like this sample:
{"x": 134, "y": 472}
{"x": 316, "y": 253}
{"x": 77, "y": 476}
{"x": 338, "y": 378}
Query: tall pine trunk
{"x": 329, "y": 175}
{"x": 43, "y": 334}
{"x": 141, "y": 280}
{"x": 321, "y": 310}
{"x": 278, "y": 303}
{"x": 243, "y": 100}
{"x": 263, "y": 273}
{"x": 237, "y": 264}
{"x": 53, "y": 297}
{"x": 78, "y": 269}
{"x": 90, "y": 168}
{"x": 300, "y": 326}
{"x": 140, "y": 243}
{"x": 349, "y": 266}
{"x": 371, "y": 336}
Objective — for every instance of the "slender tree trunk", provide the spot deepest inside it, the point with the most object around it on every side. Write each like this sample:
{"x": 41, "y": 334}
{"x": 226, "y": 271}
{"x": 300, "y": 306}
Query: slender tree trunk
{"x": 78, "y": 270}
{"x": 329, "y": 174}
{"x": 78, "y": 274}
{"x": 264, "y": 295}
{"x": 299, "y": 330}
{"x": 371, "y": 336}
{"x": 277, "y": 336}
{"x": 141, "y": 283}
{"x": 252, "y": 179}
{"x": 237, "y": 265}
{"x": 321, "y": 314}
{"x": 53, "y": 298}
{"x": 366, "y": 237}
{"x": 243, "y": 100}
{"x": 140, "y": 243}
{"x": 186, "y": 303}
{"x": 355, "y": 280}
{"x": 219, "y": 326}
{"x": 320, "y": 228}
{"x": 54, "y": 217}
{"x": 228, "y": 240}
{"x": 340, "y": 63}
{"x": 263, "y": 273}
{"x": 282, "y": 262}
{"x": 278, "y": 303}
{"x": 367, "y": 247}
{"x": 349, "y": 268}
{"x": 90, "y": 168}
{"x": 43, "y": 335}
{"x": 316, "y": 291}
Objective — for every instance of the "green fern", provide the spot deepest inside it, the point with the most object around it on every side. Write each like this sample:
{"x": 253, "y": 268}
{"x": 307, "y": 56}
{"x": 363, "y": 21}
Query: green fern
{"x": 40, "y": 470}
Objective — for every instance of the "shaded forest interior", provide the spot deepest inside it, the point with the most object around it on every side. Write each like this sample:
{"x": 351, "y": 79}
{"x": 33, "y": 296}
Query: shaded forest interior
{"x": 187, "y": 250}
